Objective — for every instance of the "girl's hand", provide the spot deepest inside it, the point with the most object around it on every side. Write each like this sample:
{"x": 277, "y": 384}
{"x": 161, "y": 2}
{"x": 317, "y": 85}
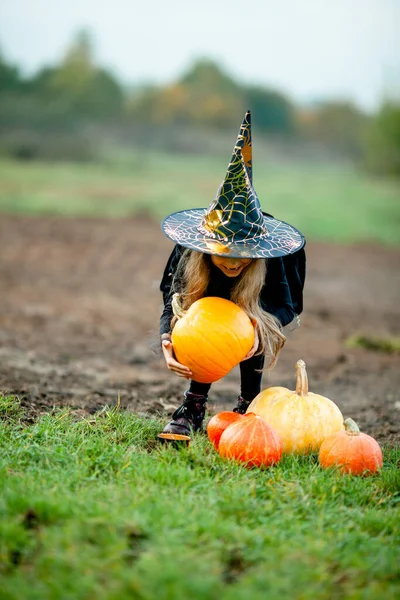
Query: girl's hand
{"x": 173, "y": 364}
{"x": 254, "y": 349}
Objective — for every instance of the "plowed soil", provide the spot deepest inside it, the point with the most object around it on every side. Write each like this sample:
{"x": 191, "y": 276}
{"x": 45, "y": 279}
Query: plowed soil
{"x": 79, "y": 316}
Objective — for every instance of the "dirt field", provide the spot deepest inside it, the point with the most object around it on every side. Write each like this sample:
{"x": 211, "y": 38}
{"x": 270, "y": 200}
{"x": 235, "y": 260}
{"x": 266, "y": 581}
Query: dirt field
{"x": 80, "y": 307}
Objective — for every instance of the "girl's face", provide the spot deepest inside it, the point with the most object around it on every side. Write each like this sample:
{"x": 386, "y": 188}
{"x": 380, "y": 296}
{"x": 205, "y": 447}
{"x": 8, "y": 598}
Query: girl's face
{"x": 231, "y": 267}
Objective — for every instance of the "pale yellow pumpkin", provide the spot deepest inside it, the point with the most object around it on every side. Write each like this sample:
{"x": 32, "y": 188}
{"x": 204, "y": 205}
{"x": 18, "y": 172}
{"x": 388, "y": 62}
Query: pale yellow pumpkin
{"x": 302, "y": 419}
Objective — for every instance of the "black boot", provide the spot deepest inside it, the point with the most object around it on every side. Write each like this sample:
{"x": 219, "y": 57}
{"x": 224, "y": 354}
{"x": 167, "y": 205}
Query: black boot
{"x": 242, "y": 405}
{"x": 189, "y": 415}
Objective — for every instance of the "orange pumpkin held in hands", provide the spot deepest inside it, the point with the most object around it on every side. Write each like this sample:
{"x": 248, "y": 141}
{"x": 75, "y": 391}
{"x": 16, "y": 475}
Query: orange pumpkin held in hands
{"x": 351, "y": 451}
{"x": 218, "y": 423}
{"x": 212, "y": 337}
{"x": 251, "y": 441}
{"x": 302, "y": 419}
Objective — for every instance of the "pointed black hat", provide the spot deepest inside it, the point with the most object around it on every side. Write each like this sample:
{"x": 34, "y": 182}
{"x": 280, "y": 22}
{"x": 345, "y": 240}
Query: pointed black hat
{"x": 234, "y": 224}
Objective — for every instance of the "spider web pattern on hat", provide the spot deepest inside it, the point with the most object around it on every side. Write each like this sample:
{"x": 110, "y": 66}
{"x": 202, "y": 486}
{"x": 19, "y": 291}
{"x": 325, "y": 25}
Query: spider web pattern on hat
{"x": 234, "y": 224}
{"x": 281, "y": 238}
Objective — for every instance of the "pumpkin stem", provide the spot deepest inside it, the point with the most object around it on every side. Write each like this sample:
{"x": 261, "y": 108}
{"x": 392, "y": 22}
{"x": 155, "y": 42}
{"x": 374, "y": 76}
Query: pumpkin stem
{"x": 301, "y": 378}
{"x": 176, "y": 307}
{"x": 351, "y": 427}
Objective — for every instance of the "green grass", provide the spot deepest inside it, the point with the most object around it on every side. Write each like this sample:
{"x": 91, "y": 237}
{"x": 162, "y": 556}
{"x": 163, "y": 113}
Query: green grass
{"x": 388, "y": 345}
{"x": 94, "y": 508}
{"x": 326, "y": 202}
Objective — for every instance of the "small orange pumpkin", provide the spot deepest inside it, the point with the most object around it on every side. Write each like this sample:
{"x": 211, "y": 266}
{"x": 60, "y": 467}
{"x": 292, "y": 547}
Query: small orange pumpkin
{"x": 212, "y": 337}
{"x": 302, "y": 419}
{"x": 218, "y": 423}
{"x": 351, "y": 451}
{"x": 251, "y": 441}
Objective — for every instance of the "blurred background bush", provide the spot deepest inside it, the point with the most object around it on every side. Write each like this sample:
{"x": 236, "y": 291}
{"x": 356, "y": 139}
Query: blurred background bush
{"x": 77, "y": 110}
{"x": 122, "y": 108}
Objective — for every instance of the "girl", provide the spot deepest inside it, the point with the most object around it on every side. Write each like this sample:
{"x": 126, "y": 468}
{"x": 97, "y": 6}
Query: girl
{"x": 235, "y": 251}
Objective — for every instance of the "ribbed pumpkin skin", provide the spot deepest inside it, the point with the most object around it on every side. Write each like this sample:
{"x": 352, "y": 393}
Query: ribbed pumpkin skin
{"x": 212, "y": 338}
{"x": 218, "y": 423}
{"x": 303, "y": 420}
{"x": 251, "y": 441}
{"x": 355, "y": 454}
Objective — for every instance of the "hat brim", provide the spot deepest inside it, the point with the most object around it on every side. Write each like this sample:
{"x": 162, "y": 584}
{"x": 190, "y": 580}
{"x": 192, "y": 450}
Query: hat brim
{"x": 185, "y": 228}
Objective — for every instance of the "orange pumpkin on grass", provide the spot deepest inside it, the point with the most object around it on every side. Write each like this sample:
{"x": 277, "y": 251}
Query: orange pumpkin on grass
{"x": 302, "y": 419}
{"x": 212, "y": 337}
{"x": 251, "y": 441}
{"x": 218, "y": 423}
{"x": 351, "y": 451}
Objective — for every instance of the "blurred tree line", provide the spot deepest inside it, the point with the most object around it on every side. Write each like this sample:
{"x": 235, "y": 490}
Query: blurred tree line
{"x": 76, "y": 108}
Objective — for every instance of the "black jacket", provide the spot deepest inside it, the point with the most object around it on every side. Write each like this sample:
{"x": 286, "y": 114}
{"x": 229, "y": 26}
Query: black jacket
{"x": 281, "y": 295}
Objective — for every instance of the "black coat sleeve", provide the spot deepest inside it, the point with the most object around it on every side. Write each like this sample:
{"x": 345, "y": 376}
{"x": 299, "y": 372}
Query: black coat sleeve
{"x": 275, "y": 296}
{"x": 168, "y": 286}
{"x": 295, "y": 269}
{"x": 282, "y": 294}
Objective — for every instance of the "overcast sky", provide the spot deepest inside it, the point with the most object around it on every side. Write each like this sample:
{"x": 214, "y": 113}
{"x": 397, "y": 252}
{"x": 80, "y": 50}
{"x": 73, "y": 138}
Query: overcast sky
{"x": 311, "y": 49}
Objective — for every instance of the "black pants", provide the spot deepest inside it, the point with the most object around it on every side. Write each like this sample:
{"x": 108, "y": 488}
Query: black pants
{"x": 250, "y": 379}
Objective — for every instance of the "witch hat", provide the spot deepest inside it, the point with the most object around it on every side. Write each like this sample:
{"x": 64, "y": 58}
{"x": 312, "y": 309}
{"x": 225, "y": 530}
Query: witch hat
{"x": 234, "y": 225}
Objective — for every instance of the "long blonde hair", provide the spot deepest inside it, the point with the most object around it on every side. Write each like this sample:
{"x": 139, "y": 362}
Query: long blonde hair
{"x": 193, "y": 273}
